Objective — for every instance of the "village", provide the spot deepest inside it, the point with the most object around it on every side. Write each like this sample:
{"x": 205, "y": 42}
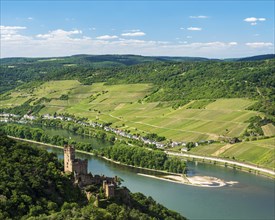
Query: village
{"x": 6, "y": 117}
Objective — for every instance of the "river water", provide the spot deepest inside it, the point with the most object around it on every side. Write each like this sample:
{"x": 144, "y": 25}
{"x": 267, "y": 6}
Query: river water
{"x": 251, "y": 198}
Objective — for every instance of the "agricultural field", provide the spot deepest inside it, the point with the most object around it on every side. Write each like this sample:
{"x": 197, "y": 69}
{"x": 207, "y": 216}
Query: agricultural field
{"x": 269, "y": 129}
{"x": 259, "y": 152}
{"x": 250, "y": 151}
{"x": 123, "y": 106}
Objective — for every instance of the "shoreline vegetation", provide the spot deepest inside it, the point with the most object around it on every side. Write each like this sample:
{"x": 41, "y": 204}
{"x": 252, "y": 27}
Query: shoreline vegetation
{"x": 199, "y": 181}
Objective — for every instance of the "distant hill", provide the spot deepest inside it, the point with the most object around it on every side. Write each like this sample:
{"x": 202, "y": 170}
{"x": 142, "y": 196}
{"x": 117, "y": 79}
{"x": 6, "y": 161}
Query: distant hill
{"x": 257, "y": 58}
{"x": 115, "y": 60}
{"x": 97, "y": 60}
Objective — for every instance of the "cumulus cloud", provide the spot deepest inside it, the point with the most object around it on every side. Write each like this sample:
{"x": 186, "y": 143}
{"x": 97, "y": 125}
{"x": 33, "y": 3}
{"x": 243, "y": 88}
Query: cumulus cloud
{"x": 259, "y": 44}
{"x": 199, "y": 17}
{"x": 59, "y": 33}
{"x": 133, "y": 34}
{"x": 68, "y": 42}
{"x": 107, "y": 37}
{"x": 10, "y": 29}
{"x": 194, "y": 29}
{"x": 253, "y": 20}
{"x": 11, "y": 33}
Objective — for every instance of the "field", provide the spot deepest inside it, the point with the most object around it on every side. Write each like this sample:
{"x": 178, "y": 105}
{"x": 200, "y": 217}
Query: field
{"x": 257, "y": 152}
{"x": 269, "y": 129}
{"x": 122, "y": 105}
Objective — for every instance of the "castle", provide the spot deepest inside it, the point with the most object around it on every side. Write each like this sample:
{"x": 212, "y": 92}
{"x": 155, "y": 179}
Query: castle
{"x": 81, "y": 176}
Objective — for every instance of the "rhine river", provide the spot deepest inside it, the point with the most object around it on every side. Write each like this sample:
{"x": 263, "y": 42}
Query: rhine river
{"x": 251, "y": 198}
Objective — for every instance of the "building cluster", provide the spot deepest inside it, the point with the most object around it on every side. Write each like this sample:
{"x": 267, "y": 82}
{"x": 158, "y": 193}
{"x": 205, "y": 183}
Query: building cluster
{"x": 28, "y": 117}
{"x": 82, "y": 178}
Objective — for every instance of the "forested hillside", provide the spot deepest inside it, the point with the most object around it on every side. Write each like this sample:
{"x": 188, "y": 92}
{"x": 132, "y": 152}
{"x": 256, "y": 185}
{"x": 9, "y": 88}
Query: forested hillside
{"x": 32, "y": 186}
{"x": 173, "y": 81}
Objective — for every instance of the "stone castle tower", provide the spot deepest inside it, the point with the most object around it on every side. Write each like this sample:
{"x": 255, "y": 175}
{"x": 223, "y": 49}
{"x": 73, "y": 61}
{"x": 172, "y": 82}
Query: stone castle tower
{"x": 69, "y": 157}
{"x": 72, "y": 165}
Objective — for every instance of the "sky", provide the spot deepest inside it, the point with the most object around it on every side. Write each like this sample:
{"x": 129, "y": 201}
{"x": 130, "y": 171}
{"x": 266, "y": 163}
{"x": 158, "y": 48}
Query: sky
{"x": 213, "y": 29}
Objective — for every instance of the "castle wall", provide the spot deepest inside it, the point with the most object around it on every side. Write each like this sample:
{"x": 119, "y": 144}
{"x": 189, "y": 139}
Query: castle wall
{"x": 80, "y": 166}
{"x": 110, "y": 190}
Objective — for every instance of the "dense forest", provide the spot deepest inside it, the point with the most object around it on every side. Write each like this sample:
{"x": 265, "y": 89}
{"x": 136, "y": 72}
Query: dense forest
{"x": 175, "y": 79}
{"x": 33, "y": 187}
{"x": 32, "y": 182}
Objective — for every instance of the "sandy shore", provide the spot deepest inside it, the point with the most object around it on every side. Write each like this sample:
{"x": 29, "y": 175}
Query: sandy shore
{"x": 200, "y": 181}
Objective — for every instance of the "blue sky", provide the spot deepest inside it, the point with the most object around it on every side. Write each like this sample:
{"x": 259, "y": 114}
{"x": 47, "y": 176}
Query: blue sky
{"x": 217, "y": 29}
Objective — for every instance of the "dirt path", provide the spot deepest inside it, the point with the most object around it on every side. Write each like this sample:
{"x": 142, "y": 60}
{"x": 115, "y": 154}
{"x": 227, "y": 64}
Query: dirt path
{"x": 222, "y": 149}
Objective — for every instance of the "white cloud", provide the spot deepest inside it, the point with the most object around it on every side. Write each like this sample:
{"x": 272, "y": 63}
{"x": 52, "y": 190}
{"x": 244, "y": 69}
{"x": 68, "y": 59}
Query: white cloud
{"x": 182, "y": 28}
{"x": 189, "y": 37}
{"x": 213, "y": 45}
{"x": 68, "y": 42}
{"x": 252, "y": 20}
{"x": 194, "y": 29}
{"x": 10, "y": 33}
{"x": 259, "y": 44}
{"x": 30, "y": 18}
{"x": 133, "y": 34}
{"x": 107, "y": 37}
{"x": 59, "y": 33}
{"x": 133, "y": 30}
{"x": 10, "y": 29}
{"x": 199, "y": 17}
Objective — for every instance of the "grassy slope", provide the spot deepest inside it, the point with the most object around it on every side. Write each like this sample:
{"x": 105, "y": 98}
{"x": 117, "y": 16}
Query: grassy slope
{"x": 119, "y": 104}
{"x": 257, "y": 152}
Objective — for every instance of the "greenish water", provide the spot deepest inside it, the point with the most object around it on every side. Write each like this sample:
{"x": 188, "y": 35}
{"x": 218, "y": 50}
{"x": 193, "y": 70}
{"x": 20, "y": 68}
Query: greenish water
{"x": 252, "y": 198}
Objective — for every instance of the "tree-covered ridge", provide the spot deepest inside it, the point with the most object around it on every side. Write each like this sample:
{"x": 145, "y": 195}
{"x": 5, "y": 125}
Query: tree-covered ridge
{"x": 32, "y": 182}
{"x": 33, "y": 187}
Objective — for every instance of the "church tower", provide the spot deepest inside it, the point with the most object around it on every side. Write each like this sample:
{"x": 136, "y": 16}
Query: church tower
{"x": 69, "y": 157}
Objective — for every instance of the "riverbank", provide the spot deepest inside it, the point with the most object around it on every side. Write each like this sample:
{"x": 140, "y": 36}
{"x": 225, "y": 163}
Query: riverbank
{"x": 45, "y": 144}
{"x": 270, "y": 173}
{"x": 90, "y": 153}
{"x": 227, "y": 163}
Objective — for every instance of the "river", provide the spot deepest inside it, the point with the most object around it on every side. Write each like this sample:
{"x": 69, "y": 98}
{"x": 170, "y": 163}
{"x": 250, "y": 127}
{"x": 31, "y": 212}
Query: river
{"x": 251, "y": 198}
